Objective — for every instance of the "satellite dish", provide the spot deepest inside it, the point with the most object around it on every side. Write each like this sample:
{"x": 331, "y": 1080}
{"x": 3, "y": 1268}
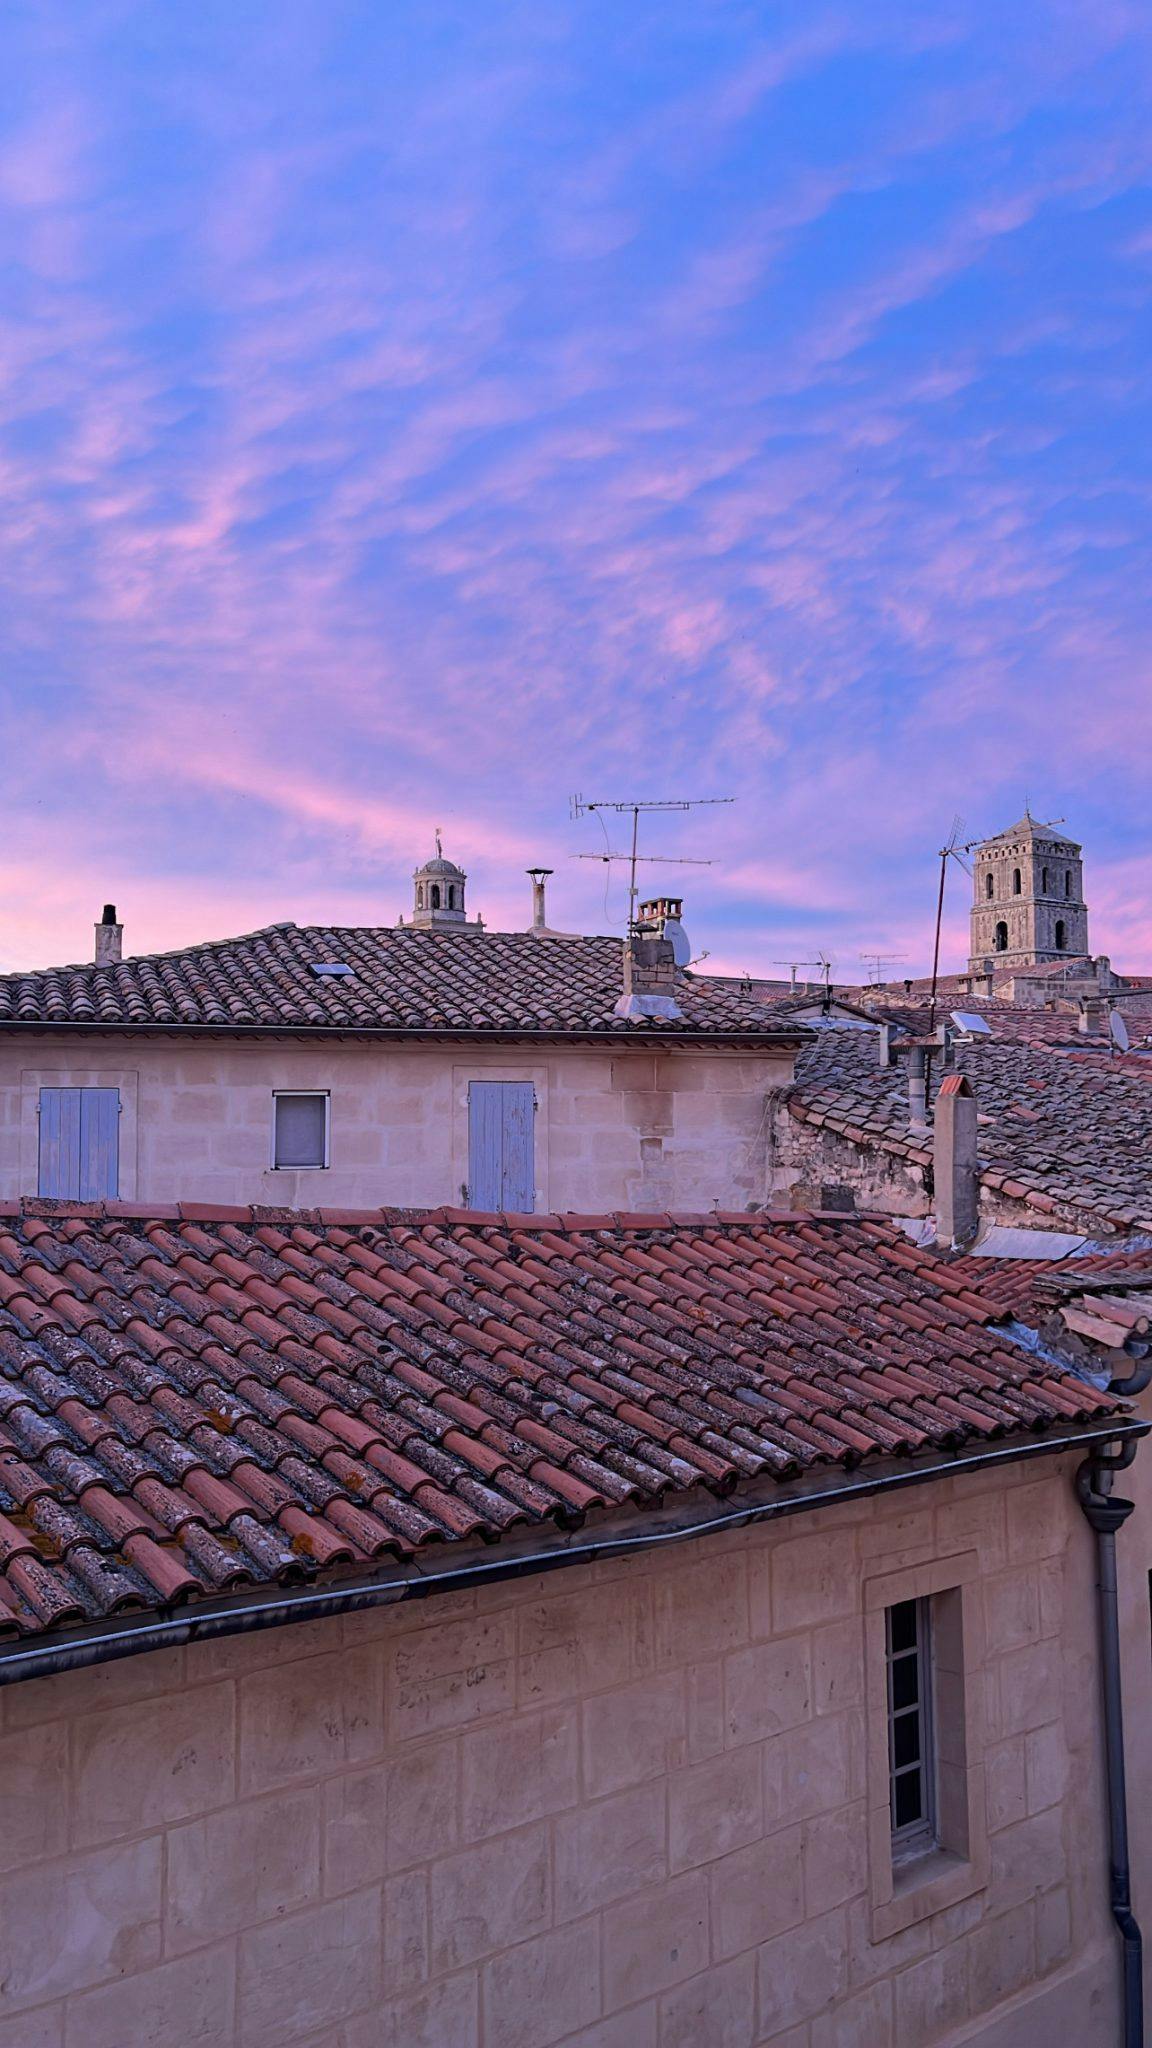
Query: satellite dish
{"x": 1119, "y": 1031}
{"x": 681, "y": 950}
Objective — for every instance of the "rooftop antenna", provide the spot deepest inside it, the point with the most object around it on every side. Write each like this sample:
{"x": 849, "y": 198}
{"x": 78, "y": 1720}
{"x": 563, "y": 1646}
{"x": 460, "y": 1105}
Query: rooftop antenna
{"x": 579, "y": 806}
{"x": 875, "y": 961}
{"x": 792, "y": 965}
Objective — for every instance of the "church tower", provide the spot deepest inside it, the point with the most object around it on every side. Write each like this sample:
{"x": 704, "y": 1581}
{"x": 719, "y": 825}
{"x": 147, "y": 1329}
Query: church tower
{"x": 1028, "y": 903}
{"x": 438, "y": 903}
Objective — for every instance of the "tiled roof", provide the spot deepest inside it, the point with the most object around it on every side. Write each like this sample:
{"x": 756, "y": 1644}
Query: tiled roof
{"x": 194, "y": 1403}
{"x": 1066, "y": 1131}
{"x": 402, "y": 980}
{"x": 1112, "y": 1288}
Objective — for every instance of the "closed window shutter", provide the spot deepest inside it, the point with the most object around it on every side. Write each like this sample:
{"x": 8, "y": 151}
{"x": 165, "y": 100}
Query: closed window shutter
{"x": 501, "y": 1146}
{"x": 79, "y": 1144}
{"x": 300, "y": 1130}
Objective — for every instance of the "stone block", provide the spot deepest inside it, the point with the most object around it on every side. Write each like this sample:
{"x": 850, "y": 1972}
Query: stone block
{"x": 188, "y": 2001}
{"x": 445, "y": 1678}
{"x": 519, "y": 1770}
{"x": 835, "y": 1858}
{"x": 868, "y": 1959}
{"x": 310, "y": 1972}
{"x": 802, "y": 1974}
{"x": 1005, "y": 1782}
{"x": 42, "y": 2029}
{"x": 446, "y": 2015}
{"x": 633, "y": 2029}
{"x": 718, "y": 2007}
{"x": 814, "y": 1579}
{"x": 974, "y": 1521}
{"x": 423, "y": 1803}
{"x": 702, "y": 1610}
{"x": 1046, "y": 1763}
{"x": 757, "y": 1892}
{"x": 170, "y": 1757}
{"x": 811, "y": 1769}
{"x": 1011, "y": 1609}
{"x": 838, "y": 1666}
{"x": 1053, "y": 1930}
{"x": 1027, "y": 1858}
{"x": 1030, "y": 1687}
{"x": 864, "y": 2018}
{"x": 541, "y": 1991}
{"x": 714, "y": 1808}
{"x": 34, "y": 1777}
{"x": 634, "y": 1733}
{"x": 487, "y": 1897}
{"x": 1039, "y": 1516}
{"x": 246, "y": 1864}
{"x": 354, "y": 1824}
{"x": 931, "y": 1997}
{"x": 704, "y": 1700}
{"x": 767, "y": 1688}
{"x": 656, "y": 1939}
{"x": 1001, "y": 1957}
{"x": 305, "y": 1719}
{"x": 406, "y": 1932}
{"x": 605, "y": 1851}
{"x": 108, "y": 1901}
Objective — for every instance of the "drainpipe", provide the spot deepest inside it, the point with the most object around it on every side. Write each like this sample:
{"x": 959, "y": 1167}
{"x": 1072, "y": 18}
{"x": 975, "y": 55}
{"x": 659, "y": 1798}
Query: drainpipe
{"x": 1106, "y": 1514}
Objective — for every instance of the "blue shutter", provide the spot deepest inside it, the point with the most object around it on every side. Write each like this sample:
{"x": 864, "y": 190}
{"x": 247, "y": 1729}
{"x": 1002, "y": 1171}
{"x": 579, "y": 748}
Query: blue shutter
{"x": 79, "y": 1144}
{"x": 501, "y": 1163}
{"x": 99, "y": 1144}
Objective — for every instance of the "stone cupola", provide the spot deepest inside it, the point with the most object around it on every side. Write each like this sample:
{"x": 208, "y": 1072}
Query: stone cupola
{"x": 438, "y": 903}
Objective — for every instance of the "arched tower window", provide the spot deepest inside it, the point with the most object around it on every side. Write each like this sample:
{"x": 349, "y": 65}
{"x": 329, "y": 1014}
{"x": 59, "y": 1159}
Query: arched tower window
{"x": 1061, "y": 935}
{"x": 1001, "y": 937}
{"x": 1067, "y": 881}
{"x": 1015, "y": 881}
{"x": 419, "y": 895}
{"x": 435, "y": 895}
{"x": 989, "y": 885}
{"x": 451, "y": 895}
{"x": 1044, "y": 881}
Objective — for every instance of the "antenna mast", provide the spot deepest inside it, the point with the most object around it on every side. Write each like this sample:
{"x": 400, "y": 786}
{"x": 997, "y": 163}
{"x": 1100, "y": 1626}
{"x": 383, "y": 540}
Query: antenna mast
{"x": 579, "y": 807}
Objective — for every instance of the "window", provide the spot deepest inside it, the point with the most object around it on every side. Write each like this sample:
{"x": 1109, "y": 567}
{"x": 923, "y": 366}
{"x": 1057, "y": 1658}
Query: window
{"x": 927, "y": 1832}
{"x": 1067, "y": 883}
{"x": 79, "y": 1144}
{"x": 989, "y": 885}
{"x": 501, "y": 1150}
{"x": 419, "y": 895}
{"x": 451, "y": 895}
{"x": 1061, "y": 935}
{"x": 1001, "y": 941}
{"x": 1015, "y": 881}
{"x": 911, "y": 1764}
{"x": 299, "y": 1128}
{"x": 435, "y": 895}
{"x": 1044, "y": 881}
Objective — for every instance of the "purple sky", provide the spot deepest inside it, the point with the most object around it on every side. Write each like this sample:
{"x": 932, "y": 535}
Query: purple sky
{"x": 414, "y": 413}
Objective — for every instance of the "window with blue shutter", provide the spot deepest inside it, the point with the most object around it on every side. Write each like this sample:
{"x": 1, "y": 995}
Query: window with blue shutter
{"x": 501, "y": 1146}
{"x": 79, "y": 1144}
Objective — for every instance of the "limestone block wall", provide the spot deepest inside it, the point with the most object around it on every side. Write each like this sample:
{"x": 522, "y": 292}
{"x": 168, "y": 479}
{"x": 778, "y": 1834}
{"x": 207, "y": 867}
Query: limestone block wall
{"x": 613, "y": 1129}
{"x": 618, "y": 1806}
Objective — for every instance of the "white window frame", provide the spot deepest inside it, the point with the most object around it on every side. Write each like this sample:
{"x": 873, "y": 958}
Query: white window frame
{"x": 320, "y": 1166}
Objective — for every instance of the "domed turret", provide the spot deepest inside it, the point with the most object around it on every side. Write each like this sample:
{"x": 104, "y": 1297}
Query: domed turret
{"x": 439, "y": 898}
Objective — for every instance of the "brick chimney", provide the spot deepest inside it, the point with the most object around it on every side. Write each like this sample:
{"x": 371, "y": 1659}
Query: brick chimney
{"x": 649, "y": 980}
{"x": 109, "y": 938}
{"x": 955, "y": 1163}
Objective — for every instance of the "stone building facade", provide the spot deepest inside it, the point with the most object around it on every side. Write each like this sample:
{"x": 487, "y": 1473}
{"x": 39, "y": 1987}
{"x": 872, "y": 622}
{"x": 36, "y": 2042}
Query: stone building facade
{"x": 1028, "y": 903}
{"x": 636, "y": 1804}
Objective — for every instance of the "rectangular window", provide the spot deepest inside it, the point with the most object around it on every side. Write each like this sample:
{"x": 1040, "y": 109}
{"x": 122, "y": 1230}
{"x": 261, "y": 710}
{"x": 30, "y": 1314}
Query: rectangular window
{"x": 501, "y": 1148}
{"x": 911, "y": 1759}
{"x": 79, "y": 1144}
{"x": 300, "y": 1128}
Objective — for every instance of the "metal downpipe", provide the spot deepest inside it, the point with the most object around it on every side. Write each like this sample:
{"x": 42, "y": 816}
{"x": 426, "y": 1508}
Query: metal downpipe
{"x": 1106, "y": 1514}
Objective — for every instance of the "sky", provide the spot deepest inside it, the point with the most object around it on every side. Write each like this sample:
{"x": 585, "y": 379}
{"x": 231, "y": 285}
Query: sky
{"x": 415, "y": 413}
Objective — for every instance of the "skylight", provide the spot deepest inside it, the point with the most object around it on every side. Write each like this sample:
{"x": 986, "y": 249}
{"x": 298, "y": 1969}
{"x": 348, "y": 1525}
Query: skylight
{"x": 968, "y": 1021}
{"x": 332, "y": 970}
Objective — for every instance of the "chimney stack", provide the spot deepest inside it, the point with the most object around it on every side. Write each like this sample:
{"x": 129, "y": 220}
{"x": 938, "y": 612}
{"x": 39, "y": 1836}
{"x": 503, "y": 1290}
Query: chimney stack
{"x": 917, "y": 1089}
{"x": 1093, "y": 1013}
{"x": 109, "y": 938}
{"x": 649, "y": 980}
{"x": 955, "y": 1163}
{"x": 538, "y": 877}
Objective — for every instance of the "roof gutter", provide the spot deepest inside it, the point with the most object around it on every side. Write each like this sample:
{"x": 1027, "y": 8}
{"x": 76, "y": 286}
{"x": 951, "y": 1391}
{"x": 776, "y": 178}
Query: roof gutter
{"x": 407, "y": 1034}
{"x": 245, "y": 1614}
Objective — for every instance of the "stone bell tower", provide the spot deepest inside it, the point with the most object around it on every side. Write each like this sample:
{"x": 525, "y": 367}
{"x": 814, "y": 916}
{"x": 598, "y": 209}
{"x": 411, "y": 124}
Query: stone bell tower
{"x": 438, "y": 898}
{"x": 1028, "y": 903}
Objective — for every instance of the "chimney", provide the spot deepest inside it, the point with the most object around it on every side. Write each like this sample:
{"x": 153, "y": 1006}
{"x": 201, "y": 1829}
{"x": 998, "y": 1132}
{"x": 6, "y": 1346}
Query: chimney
{"x": 649, "y": 980}
{"x": 1093, "y": 1013}
{"x": 955, "y": 1163}
{"x": 538, "y": 877}
{"x": 109, "y": 938}
{"x": 917, "y": 1089}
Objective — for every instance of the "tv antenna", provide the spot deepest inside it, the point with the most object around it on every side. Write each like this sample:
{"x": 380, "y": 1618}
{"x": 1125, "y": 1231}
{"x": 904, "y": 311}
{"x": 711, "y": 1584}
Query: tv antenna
{"x": 579, "y": 807}
{"x": 875, "y": 961}
{"x": 823, "y": 963}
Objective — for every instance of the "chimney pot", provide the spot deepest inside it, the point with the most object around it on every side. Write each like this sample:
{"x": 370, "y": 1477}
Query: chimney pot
{"x": 109, "y": 938}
